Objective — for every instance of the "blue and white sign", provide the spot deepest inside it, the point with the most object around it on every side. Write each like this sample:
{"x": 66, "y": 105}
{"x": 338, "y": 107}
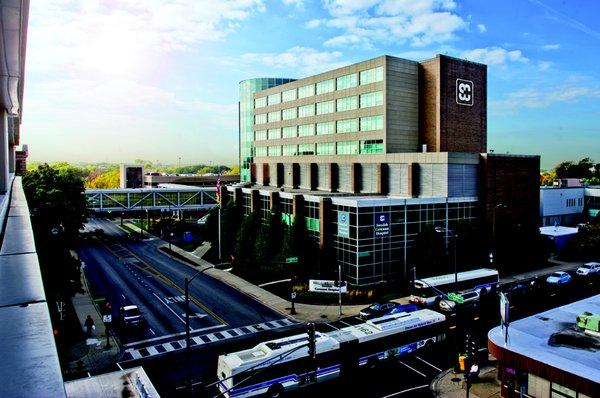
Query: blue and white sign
{"x": 382, "y": 224}
{"x": 343, "y": 224}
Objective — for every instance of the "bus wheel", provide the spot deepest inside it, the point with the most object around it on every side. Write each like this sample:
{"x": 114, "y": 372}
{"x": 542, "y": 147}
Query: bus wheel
{"x": 372, "y": 362}
{"x": 275, "y": 391}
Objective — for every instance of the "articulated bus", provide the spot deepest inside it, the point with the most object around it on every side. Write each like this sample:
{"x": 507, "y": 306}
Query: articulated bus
{"x": 427, "y": 291}
{"x": 273, "y": 367}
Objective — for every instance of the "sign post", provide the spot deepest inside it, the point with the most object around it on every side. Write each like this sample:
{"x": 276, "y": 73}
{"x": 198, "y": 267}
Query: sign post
{"x": 504, "y": 315}
{"x": 107, "y": 320}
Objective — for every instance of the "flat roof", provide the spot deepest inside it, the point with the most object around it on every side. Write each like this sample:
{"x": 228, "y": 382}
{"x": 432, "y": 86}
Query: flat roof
{"x": 558, "y": 231}
{"x": 528, "y": 341}
{"x": 122, "y": 383}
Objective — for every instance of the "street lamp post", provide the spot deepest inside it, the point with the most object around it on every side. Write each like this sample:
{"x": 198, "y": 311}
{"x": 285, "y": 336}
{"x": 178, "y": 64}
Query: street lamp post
{"x": 187, "y": 323}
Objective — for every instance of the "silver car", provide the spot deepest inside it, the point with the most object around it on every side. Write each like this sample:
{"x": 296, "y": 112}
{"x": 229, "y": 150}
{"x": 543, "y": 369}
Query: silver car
{"x": 588, "y": 269}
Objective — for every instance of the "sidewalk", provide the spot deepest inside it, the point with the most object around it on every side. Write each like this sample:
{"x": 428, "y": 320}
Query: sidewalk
{"x": 451, "y": 385}
{"x": 90, "y": 355}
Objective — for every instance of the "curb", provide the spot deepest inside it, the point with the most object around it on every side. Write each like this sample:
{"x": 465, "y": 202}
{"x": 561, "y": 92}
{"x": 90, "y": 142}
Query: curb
{"x": 436, "y": 379}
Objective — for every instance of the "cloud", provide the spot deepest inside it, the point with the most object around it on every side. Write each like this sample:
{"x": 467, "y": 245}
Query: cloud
{"x": 314, "y": 23}
{"x": 544, "y": 65}
{"x": 481, "y": 27}
{"x": 297, "y": 3}
{"x": 566, "y": 20}
{"x": 549, "y": 47}
{"x": 544, "y": 96}
{"x": 125, "y": 36}
{"x": 494, "y": 56}
{"x": 303, "y": 60}
{"x": 364, "y": 23}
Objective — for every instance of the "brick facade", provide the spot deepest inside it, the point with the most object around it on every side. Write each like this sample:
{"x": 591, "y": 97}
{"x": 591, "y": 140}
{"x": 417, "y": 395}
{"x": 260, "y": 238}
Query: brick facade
{"x": 446, "y": 125}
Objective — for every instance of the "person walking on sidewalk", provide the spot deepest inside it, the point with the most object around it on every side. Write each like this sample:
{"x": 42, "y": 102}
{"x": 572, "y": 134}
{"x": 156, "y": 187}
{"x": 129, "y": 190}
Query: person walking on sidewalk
{"x": 89, "y": 325}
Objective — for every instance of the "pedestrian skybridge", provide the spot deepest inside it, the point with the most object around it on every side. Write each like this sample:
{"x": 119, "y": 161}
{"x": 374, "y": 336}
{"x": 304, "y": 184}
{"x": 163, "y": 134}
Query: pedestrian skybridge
{"x": 168, "y": 198}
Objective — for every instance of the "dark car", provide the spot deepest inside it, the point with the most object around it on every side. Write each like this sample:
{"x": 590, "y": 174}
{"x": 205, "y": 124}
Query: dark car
{"x": 131, "y": 316}
{"x": 377, "y": 310}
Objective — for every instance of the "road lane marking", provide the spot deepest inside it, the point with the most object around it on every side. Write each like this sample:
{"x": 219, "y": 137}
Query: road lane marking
{"x": 166, "y": 336}
{"x": 166, "y": 305}
{"x": 124, "y": 298}
{"x": 424, "y": 361}
{"x": 413, "y": 369}
{"x": 407, "y": 390}
{"x": 345, "y": 323}
{"x": 152, "y": 331}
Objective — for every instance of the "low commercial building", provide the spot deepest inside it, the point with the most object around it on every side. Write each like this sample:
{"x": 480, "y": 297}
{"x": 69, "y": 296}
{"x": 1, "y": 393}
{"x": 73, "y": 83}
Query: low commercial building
{"x": 152, "y": 180}
{"x": 548, "y": 355}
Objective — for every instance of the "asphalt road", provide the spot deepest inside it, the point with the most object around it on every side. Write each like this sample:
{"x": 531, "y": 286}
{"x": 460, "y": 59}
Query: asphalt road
{"x": 129, "y": 272}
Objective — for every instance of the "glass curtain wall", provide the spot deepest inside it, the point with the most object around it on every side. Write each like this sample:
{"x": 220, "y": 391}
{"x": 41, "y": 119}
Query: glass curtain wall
{"x": 246, "y": 118}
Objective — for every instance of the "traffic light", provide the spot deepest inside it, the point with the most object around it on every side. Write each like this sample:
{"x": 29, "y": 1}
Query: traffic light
{"x": 310, "y": 330}
{"x": 471, "y": 348}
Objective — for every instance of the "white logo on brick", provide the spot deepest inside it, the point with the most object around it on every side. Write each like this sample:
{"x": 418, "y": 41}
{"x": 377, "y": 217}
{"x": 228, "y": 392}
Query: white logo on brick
{"x": 464, "y": 92}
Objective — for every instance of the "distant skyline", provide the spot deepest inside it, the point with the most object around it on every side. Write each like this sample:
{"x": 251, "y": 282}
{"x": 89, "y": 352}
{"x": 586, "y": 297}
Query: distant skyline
{"x": 158, "y": 79}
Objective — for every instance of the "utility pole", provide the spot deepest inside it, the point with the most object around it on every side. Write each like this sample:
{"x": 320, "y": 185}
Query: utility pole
{"x": 340, "y": 287}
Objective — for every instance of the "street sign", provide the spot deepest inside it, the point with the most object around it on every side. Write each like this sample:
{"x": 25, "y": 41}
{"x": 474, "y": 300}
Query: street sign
{"x": 293, "y": 295}
{"x": 381, "y": 226}
{"x": 290, "y": 260}
{"x": 457, "y": 298}
{"x": 322, "y": 286}
{"x": 343, "y": 224}
{"x": 107, "y": 318}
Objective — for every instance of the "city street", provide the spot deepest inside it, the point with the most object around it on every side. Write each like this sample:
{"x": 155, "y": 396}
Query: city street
{"x": 137, "y": 273}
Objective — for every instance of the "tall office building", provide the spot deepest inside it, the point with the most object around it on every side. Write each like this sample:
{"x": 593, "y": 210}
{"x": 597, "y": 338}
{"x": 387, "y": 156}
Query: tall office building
{"x": 246, "y": 118}
{"x": 372, "y": 153}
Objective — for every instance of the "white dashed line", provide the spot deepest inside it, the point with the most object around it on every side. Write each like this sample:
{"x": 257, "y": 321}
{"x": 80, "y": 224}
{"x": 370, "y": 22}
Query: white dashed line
{"x": 413, "y": 369}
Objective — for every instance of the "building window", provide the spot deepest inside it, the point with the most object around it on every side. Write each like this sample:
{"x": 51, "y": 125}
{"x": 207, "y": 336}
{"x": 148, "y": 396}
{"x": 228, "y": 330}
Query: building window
{"x": 326, "y": 148}
{"x": 306, "y": 130}
{"x": 306, "y": 110}
{"x": 347, "y": 126}
{"x": 274, "y": 134}
{"x": 306, "y": 149}
{"x": 347, "y": 81}
{"x": 325, "y": 107}
{"x": 369, "y": 123}
{"x": 261, "y": 151}
{"x": 289, "y": 132}
{"x": 288, "y": 95}
{"x": 288, "y": 114}
{"x": 289, "y": 150}
{"x": 260, "y": 102}
{"x": 371, "y": 146}
{"x": 312, "y": 224}
{"x": 371, "y": 99}
{"x": 306, "y": 91}
{"x": 325, "y": 128}
{"x": 371, "y": 75}
{"x": 260, "y": 119}
{"x": 274, "y": 151}
{"x": 347, "y": 147}
{"x": 260, "y": 135}
{"x": 347, "y": 103}
{"x": 274, "y": 99}
{"x": 274, "y": 116}
{"x": 326, "y": 86}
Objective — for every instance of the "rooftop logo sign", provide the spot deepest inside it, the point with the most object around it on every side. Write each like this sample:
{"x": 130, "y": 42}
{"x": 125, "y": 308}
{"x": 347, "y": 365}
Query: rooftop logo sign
{"x": 464, "y": 92}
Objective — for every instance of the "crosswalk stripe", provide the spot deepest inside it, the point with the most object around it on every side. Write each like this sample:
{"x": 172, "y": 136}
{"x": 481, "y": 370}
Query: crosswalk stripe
{"x": 144, "y": 352}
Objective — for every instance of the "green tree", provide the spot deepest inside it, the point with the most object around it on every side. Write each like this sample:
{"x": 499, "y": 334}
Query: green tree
{"x": 56, "y": 200}
{"x": 231, "y": 218}
{"x": 244, "y": 262}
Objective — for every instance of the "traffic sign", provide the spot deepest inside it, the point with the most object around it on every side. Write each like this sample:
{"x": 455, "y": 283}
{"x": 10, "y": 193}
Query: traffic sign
{"x": 290, "y": 260}
{"x": 107, "y": 318}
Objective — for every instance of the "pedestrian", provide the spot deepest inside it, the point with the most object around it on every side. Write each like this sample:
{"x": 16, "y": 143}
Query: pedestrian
{"x": 89, "y": 325}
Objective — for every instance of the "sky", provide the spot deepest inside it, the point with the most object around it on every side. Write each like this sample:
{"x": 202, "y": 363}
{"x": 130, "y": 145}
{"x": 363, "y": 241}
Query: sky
{"x": 119, "y": 80}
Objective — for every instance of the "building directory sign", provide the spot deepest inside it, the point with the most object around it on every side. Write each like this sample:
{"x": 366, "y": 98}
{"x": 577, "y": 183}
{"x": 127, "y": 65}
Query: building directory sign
{"x": 322, "y": 286}
{"x": 343, "y": 224}
{"x": 382, "y": 224}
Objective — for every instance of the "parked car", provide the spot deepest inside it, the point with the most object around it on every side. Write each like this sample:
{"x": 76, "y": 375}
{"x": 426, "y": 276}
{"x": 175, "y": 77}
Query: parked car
{"x": 377, "y": 310}
{"x": 589, "y": 269}
{"x": 131, "y": 316}
{"x": 558, "y": 278}
{"x": 517, "y": 290}
{"x": 468, "y": 296}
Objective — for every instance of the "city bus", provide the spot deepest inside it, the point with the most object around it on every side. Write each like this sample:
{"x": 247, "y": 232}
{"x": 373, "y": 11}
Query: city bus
{"x": 273, "y": 367}
{"x": 428, "y": 290}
